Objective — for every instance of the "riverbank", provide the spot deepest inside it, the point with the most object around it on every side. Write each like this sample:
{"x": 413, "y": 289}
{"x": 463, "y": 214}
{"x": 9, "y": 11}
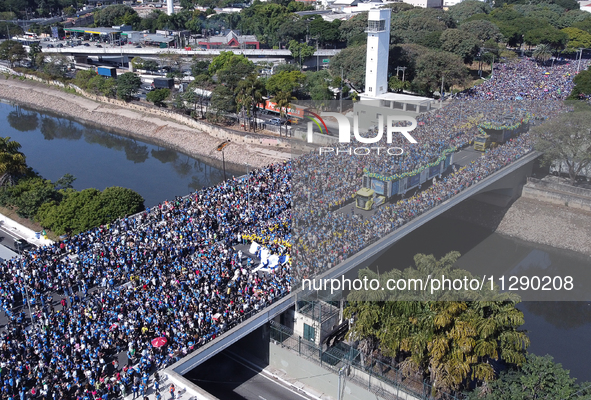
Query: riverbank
{"x": 533, "y": 221}
{"x": 139, "y": 125}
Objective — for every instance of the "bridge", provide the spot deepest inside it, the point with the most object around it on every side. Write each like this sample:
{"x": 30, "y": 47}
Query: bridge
{"x": 503, "y": 184}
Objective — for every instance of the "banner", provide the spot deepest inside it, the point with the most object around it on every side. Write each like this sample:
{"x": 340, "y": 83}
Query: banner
{"x": 378, "y": 186}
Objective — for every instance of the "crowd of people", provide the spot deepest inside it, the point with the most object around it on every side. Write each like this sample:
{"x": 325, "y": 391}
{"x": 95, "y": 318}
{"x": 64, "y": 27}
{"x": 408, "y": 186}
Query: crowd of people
{"x": 322, "y": 184}
{"x": 174, "y": 272}
{"x": 170, "y": 272}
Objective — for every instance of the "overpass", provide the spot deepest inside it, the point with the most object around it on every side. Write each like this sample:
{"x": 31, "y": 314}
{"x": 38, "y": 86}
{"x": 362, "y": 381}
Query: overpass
{"x": 131, "y": 52}
{"x": 506, "y": 180}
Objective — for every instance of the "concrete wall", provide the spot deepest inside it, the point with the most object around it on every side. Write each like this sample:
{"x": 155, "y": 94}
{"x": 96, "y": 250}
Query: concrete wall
{"x": 556, "y": 193}
{"x": 181, "y": 384}
{"x": 317, "y": 138}
{"x": 213, "y": 130}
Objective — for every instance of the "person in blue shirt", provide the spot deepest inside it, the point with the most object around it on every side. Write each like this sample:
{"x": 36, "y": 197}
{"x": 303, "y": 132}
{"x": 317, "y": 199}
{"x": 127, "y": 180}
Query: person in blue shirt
{"x": 134, "y": 390}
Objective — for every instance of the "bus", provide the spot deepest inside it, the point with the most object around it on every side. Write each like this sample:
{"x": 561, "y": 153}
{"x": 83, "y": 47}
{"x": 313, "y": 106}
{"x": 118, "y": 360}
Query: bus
{"x": 30, "y": 35}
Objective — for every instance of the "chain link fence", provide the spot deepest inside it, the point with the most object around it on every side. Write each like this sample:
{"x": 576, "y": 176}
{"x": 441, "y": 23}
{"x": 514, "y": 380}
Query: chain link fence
{"x": 377, "y": 376}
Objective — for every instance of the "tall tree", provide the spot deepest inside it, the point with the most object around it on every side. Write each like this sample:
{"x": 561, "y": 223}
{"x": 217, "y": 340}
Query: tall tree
{"x": 461, "y": 43}
{"x": 249, "y": 94}
{"x": 542, "y": 53}
{"x": 283, "y": 101}
{"x": 12, "y": 51}
{"x": 128, "y": 85}
{"x": 433, "y": 66}
{"x": 566, "y": 139}
{"x": 300, "y": 51}
{"x": 12, "y": 161}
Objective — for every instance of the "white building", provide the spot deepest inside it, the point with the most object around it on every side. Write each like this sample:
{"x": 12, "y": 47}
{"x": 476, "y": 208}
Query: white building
{"x": 375, "y": 101}
{"x": 426, "y": 3}
{"x": 378, "y": 48}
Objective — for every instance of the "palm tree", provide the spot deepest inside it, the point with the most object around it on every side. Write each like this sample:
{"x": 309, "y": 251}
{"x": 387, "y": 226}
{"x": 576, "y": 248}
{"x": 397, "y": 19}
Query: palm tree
{"x": 542, "y": 53}
{"x": 12, "y": 161}
{"x": 283, "y": 100}
{"x": 451, "y": 342}
{"x": 249, "y": 94}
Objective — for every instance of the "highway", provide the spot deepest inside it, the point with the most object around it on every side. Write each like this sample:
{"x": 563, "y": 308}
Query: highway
{"x": 228, "y": 377}
{"x": 132, "y": 51}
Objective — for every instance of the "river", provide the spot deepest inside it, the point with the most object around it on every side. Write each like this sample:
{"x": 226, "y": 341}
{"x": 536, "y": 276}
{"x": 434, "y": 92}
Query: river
{"x": 559, "y": 328}
{"x": 98, "y": 158}
{"x": 55, "y": 145}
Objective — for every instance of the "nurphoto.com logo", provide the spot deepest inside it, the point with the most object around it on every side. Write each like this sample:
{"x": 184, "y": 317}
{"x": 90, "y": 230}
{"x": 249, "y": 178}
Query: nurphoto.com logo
{"x": 395, "y": 124}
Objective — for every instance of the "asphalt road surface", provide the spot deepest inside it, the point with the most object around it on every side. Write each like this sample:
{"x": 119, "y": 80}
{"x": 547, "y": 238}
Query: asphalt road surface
{"x": 8, "y": 237}
{"x": 229, "y": 378}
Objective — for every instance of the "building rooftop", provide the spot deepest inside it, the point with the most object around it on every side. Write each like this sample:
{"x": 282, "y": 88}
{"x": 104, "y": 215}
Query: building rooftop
{"x": 228, "y": 37}
{"x": 398, "y": 97}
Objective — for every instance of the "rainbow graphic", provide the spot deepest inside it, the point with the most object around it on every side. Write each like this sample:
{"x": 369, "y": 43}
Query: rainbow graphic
{"x": 317, "y": 119}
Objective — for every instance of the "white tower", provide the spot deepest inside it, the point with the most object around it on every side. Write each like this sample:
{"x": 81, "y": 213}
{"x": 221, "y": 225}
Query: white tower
{"x": 378, "y": 47}
{"x": 169, "y": 7}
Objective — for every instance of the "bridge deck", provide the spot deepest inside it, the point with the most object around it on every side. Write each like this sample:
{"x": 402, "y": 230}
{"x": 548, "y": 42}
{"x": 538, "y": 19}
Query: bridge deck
{"x": 191, "y": 361}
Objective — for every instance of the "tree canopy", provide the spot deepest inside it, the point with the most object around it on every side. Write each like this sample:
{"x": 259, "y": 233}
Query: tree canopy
{"x": 12, "y": 51}
{"x": 566, "y": 138}
{"x": 128, "y": 85}
{"x": 451, "y": 342}
{"x": 538, "y": 378}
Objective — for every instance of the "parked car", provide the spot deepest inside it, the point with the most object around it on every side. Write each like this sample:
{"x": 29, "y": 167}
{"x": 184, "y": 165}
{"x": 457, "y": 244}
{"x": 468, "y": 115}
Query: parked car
{"x": 50, "y": 46}
{"x": 86, "y": 44}
{"x": 60, "y": 45}
{"x": 275, "y": 121}
{"x": 98, "y": 45}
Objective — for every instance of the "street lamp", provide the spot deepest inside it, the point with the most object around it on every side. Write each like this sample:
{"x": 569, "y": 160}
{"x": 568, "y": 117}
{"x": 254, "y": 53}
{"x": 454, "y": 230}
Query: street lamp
{"x": 247, "y": 185}
{"x": 221, "y": 148}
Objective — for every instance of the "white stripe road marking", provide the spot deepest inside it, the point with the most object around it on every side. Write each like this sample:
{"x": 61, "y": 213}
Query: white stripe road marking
{"x": 259, "y": 373}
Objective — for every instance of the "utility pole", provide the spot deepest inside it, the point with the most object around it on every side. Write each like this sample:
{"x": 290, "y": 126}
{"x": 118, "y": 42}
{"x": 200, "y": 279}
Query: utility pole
{"x": 221, "y": 148}
{"x": 247, "y": 185}
{"x": 441, "y": 92}
{"x": 580, "y": 57}
{"x": 341, "y": 99}
{"x": 340, "y": 377}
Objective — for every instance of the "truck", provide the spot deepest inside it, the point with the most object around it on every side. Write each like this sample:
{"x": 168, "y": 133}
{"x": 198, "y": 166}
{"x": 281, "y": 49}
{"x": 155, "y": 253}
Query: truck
{"x": 366, "y": 199}
{"x": 110, "y": 72}
{"x": 377, "y": 189}
{"x": 163, "y": 83}
{"x": 491, "y": 136}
